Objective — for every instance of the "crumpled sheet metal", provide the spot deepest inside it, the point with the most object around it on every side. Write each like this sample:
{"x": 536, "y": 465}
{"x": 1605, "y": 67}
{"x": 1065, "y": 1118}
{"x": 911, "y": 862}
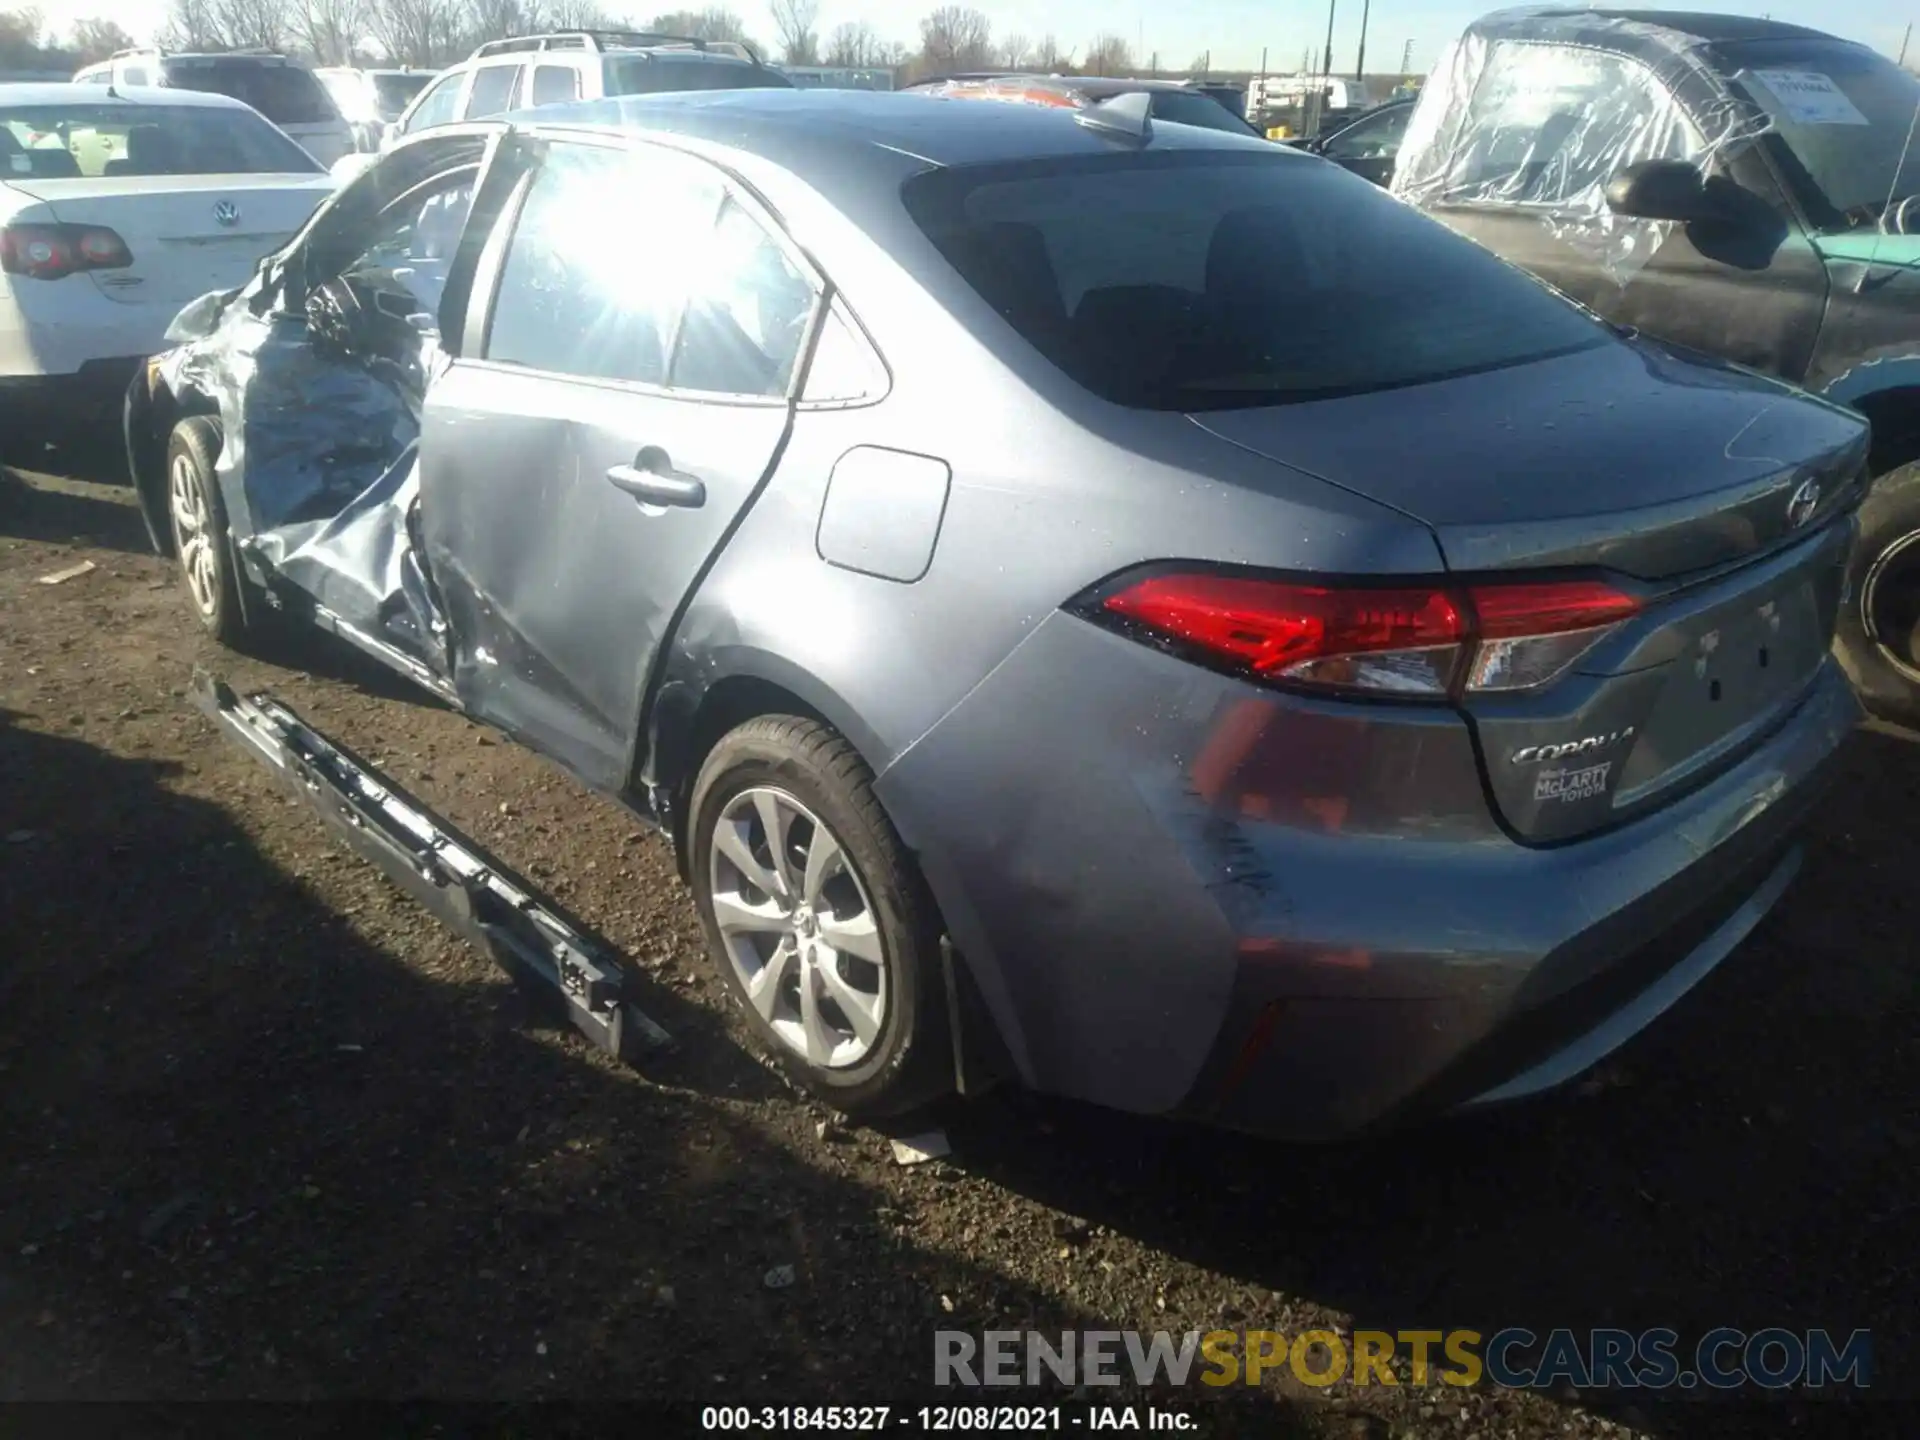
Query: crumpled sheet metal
{"x": 1463, "y": 147}
{"x": 318, "y": 464}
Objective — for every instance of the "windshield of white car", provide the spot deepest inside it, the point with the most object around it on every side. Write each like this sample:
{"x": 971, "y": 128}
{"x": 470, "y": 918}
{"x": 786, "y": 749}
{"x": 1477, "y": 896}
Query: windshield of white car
{"x": 53, "y": 142}
{"x": 1213, "y": 279}
{"x": 1845, "y": 113}
{"x": 648, "y": 75}
{"x": 285, "y": 94}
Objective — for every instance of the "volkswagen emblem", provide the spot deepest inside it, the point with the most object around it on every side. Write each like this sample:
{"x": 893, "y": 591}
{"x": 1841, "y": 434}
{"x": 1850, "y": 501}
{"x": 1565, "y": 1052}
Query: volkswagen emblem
{"x": 228, "y": 214}
{"x": 1803, "y": 502}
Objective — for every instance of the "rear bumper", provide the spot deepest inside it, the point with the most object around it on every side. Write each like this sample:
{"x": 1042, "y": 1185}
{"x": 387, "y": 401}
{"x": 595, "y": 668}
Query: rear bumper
{"x": 1187, "y": 895}
{"x": 54, "y": 328}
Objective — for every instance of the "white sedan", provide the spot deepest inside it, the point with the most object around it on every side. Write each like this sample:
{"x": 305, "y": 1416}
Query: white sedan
{"x": 118, "y": 207}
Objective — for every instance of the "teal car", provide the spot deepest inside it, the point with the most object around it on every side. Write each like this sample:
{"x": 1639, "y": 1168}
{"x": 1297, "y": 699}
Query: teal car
{"x": 1737, "y": 186}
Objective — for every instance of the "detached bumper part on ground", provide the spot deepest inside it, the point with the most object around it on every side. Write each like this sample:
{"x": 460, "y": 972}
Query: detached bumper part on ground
{"x": 486, "y": 903}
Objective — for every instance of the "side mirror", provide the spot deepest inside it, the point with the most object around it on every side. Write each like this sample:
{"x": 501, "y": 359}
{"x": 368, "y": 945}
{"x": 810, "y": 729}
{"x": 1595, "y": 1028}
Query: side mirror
{"x": 1662, "y": 190}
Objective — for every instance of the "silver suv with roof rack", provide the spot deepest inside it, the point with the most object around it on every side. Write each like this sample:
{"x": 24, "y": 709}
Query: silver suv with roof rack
{"x": 525, "y": 71}
{"x": 281, "y": 88}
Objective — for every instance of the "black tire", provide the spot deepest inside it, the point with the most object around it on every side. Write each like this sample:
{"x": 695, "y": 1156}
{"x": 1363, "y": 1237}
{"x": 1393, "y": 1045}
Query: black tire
{"x": 212, "y": 591}
{"x": 1877, "y": 639}
{"x": 910, "y": 1062}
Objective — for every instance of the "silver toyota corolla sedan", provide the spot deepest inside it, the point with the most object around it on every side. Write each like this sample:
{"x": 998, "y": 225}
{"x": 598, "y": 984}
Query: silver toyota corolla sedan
{"x": 1127, "y": 608}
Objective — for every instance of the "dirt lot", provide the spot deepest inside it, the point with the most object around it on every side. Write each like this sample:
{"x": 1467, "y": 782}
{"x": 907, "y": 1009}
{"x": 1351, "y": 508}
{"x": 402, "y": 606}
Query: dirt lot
{"x": 267, "y": 1131}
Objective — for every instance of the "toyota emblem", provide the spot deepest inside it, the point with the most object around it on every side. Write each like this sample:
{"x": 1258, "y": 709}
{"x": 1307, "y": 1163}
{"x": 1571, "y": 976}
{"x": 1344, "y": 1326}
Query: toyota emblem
{"x": 226, "y": 212}
{"x": 1803, "y": 502}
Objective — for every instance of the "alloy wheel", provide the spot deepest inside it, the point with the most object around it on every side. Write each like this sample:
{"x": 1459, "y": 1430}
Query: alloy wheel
{"x": 193, "y": 537}
{"x": 798, "y": 928}
{"x": 1890, "y": 604}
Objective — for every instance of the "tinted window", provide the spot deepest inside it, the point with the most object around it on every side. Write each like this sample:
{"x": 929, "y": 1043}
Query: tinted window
{"x": 1550, "y": 125}
{"x": 1185, "y": 107}
{"x": 285, "y": 94}
{"x": 392, "y": 93}
{"x": 1194, "y": 280}
{"x": 747, "y": 313}
{"x": 603, "y": 256}
{"x": 553, "y": 84}
{"x": 438, "y": 105}
{"x": 1844, "y": 112}
{"x": 647, "y": 74}
{"x": 67, "y": 140}
{"x": 1375, "y": 138}
{"x": 492, "y": 92}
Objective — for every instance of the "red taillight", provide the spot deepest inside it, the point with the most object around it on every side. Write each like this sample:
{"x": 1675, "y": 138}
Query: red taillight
{"x": 1410, "y": 641}
{"x": 51, "y": 252}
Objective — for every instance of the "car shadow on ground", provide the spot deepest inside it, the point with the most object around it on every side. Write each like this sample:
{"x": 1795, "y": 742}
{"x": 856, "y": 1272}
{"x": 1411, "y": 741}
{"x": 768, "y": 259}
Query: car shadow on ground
{"x": 1748, "y": 1162}
{"x": 249, "y": 1153}
{"x": 67, "y": 512}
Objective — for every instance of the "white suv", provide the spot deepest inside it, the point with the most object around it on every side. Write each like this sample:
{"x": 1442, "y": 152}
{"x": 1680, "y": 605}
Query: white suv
{"x": 532, "y": 70}
{"x": 283, "y": 90}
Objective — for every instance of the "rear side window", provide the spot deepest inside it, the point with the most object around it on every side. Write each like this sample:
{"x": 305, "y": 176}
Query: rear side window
{"x": 285, "y": 94}
{"x": 493, "y": 88}
{"x": 554, "y": 84}
{"x": 650, "y": 74}
{"x": 747, "y": 313}
{"x": 1207, "y": 280}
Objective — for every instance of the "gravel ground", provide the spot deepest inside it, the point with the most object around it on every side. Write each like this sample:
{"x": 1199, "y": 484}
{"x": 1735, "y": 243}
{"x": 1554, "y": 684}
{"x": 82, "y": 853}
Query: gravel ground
{"x": 267, "y": 1131}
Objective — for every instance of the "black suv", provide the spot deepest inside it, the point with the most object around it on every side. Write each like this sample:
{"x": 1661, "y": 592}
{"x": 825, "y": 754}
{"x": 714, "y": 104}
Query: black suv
{"x": 1745, "y": 188}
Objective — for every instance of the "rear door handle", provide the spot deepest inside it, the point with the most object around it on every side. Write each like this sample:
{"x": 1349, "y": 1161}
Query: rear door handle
{"x": 653, "y": 479}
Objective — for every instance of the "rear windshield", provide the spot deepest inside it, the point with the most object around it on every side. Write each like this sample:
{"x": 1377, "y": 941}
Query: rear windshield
{"x": 394, "y": 91}
{"x": 645, "y": 75}
{"x": 285, "y": 94}
{"x": 66, "y": 141}
{"x": 1211, "y": 280}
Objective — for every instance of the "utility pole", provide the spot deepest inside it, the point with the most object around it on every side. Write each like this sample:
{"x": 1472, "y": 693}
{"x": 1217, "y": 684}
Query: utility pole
{"x": 1326, "y": 72}
{"x": 1360, "y": 61}
{"x": 1902, "y": 61}
{"x": 1406, "y": 58}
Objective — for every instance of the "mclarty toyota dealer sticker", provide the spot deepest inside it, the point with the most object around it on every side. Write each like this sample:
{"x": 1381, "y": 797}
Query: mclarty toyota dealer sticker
{"x": 1570, "y": 785}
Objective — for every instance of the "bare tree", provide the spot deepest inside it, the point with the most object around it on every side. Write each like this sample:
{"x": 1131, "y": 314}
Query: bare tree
{"x": 856, "y": 45}
{"x": 1201, "y": 64}
{"x": 1049, "y": 57}
{"x": 331, "y": 29}
{"x": 793, "y": 22}
{"x": 1108, "y": 55}
{"x": 253, "y": 24}
{"x": 716, "y": 22}
{"x": 192, "y": 25}
{"x": 955, "y": 37}
{"x": 94, "y": 39}
{"x": 570, "y": 15}
{"x": 419, "y": 32}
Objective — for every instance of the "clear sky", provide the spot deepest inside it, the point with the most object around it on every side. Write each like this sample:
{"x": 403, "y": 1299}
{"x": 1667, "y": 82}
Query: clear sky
{"x": 1234, "y": 30}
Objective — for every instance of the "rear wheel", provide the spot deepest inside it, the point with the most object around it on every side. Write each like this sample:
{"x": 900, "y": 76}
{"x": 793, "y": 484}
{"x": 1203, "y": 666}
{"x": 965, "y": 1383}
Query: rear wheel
{"x": 817, "y": 918}
{"x": 1878, "y": 636}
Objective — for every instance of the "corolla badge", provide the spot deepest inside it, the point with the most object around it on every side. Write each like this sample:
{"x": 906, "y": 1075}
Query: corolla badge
{"x": 1802, "y": 503}
{"x": 1585, "y": 745}
{"x": 226, "y": 213}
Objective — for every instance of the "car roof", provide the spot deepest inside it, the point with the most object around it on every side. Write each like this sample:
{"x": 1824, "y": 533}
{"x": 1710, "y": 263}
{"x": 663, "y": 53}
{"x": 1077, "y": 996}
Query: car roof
{"x": 824, "y": 134}
{"x": 130, "y": 95}
{"x": 1698, "y": 25}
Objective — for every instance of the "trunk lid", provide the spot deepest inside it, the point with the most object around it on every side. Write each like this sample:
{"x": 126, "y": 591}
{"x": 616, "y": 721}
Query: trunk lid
{"x": 189, "y": 234}
{"x": 1723, "y": 501}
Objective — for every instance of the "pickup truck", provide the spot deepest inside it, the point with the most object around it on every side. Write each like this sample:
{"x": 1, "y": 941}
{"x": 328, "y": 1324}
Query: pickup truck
{"x": 1743, "y": 187}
